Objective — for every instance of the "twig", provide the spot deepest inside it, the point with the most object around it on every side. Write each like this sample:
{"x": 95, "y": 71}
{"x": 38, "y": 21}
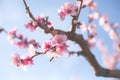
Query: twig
{"x": 75, "y": 18}
{"x": 77, "y": 52}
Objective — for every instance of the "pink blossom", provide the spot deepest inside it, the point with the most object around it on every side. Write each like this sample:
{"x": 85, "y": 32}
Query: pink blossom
{"x": 34, "y": 43}
{"x": 34, "y": 24}
{"x": 50, "y": 24}
{"x": 19, "y": 36}
{"x": 68, "y": 8}
{"x": 28, "y": 25}
{"x": 59, "y": 39}
{"x": 40, "y": 19}
{"x": 12, "y": 31}
{"x": 26, "y": 60}
{"x": 71, "y": 8}
{"x": 22, "y": 44}
{"x": 60, "y": 49}
{"x": 31, "y": 26}
{"x": 16, "y": 59}
{"x": 46, "y": 46}
{"x": 62, "y": 13}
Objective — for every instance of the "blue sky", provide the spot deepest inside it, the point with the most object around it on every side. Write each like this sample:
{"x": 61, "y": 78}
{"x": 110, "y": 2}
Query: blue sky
{"x": 12, "y": 14}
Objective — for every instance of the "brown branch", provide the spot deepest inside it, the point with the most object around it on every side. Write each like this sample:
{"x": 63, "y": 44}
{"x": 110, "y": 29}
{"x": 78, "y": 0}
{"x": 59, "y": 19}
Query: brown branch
{"x": 75, "y": 18}
{"x": 28, "y": 11}
{"x": 99, "y": 71}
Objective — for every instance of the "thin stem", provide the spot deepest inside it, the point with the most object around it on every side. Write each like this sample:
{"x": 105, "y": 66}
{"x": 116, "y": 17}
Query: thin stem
{"x": 75, "y": 18}
{"x": 28, "y": 11}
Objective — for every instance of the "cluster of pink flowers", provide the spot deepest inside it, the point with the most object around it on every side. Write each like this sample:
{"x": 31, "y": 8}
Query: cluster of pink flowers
{"x": 31, "y": 25}
{"x": 22, "y": 42}
{"x": 109, "y": 60}
{"x": 21, "y": 61}
{"x": 108, "y": 27}
{"x": 56, "y": 46}
{"x": 41, "y": 20}
{"x": 67, "y": 9}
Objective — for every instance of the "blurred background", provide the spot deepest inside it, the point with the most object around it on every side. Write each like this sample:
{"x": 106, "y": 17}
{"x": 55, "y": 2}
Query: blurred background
{"x": 12, "y": 14}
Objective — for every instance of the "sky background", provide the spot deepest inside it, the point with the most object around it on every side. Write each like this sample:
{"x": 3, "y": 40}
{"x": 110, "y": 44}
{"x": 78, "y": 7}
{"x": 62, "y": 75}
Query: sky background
{"x": 12, "y": 14}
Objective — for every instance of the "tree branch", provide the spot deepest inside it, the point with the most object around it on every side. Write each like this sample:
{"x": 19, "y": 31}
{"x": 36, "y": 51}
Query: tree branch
{"x": 28, "y": 11}
{"x": 99, "y": 71}
{"x": 75, "y": 18}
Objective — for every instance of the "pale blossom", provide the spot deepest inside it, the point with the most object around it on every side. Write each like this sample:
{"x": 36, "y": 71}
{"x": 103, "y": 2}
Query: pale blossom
{"x": 32, "y": 51}
{"x": 103, "y": 20}
{"x": 16, "y": 59}
{"x": 107, "y": 27}
{"x": 112, "y": 34}
{"x": 92, "y": 5}
{"x": 46, "y": 46}
{"x": 53, "y": 54}
{"x": 10, "y": 39}
{"x": 83, "y": 27}
{"x": 109, "y": 62}
{"x": 102, "y": 47}
{"x": 86, "y": 2}
{"x": 93, "y": 16}
{"x": 91, "y": 28}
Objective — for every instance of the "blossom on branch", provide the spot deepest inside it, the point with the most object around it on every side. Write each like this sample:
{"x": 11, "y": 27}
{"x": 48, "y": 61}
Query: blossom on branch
{"x": 57, "y": 45}
{"x": 67, "y": 9}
